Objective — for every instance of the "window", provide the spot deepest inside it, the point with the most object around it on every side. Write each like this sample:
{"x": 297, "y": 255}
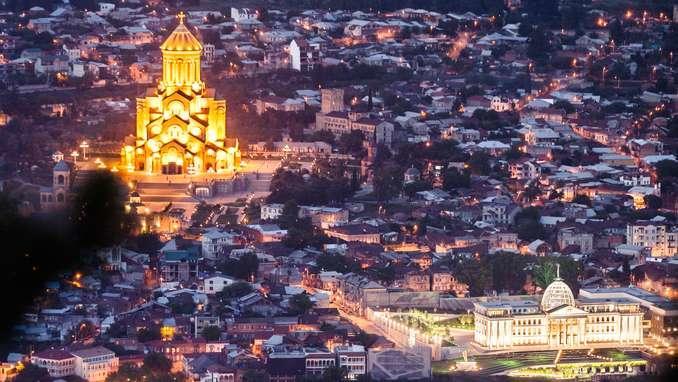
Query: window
{"x": 175, "y": 132}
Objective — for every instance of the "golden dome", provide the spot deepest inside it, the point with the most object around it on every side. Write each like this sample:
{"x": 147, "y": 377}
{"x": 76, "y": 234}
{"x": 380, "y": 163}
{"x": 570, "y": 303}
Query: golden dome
{"x": 181, "y": 39}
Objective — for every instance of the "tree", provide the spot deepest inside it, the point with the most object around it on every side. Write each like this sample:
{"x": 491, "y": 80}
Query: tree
{"x": 672, "y": 128}
{"x": 252, "y": 375}
{"x": 538, "y": 45}
{"x": 565, "y": 105}
{"x": 290, "y": 214}
{"x": 252, "y": 211}
{"x": 352, "y": 143}
{"x": 507, "y": 270}
{"x": 453, "y": 179}
{"x": 244, "y": 268}
{"x": 83, "y": 331}
{"x": 411, "y": 188}
{"x": 211, "y": 333}
{"x": 544, "y": 274}
{"x": 182, "y": 304}
{"x": 527, "y": 224}
{"x": 582, "y": 199}
{"x": 300, "y": 303}
{"x": 148, "y": 334}
{"x": 322, "y": 136}
{"x": 157, "y": 363}
{"x": 470, "y": 272}
{"x": 532, "y": 191}
{"x": 652, "y": 201}
{"x": 156, "y": 368}
{"x": 479, "y": 163}
{"x": 235, "y": 290}
{"x": 666, "y": 168}
{"x": 530, "y": 230}
{"x": 388, "y": 181}
{"x": 32, "y": 373}
{"x": 334, "y": 374}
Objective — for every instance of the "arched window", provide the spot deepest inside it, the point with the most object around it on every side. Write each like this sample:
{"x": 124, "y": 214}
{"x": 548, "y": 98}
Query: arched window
{"x": 60, "y": 198}
{"x": 175, "y": 107}
{"x": 61, "y": 179}
{"x": 175, "y": 132}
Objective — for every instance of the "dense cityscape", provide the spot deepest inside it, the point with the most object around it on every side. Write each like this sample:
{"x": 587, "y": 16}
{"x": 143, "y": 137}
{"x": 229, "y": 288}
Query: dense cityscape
{"x": 313, "y": 190}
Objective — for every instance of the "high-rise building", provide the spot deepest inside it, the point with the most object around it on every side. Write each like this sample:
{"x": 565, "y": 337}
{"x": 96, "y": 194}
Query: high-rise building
{"x": 181, "y": 126}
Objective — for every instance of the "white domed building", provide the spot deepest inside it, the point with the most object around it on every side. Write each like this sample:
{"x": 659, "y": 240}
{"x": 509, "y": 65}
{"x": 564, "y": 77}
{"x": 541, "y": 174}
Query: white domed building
{"x": 557, "y": 321}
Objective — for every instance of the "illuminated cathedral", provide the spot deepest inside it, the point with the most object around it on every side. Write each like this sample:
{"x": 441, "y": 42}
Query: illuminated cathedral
{"x": 180, "y": 125}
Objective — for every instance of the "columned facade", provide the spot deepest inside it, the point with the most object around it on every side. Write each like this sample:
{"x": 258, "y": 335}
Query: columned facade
{"x": 559, "y": 321}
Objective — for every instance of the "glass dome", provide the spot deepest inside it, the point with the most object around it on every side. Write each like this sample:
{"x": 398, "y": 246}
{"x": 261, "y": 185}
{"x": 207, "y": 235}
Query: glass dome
{"x": 557, "y": 294}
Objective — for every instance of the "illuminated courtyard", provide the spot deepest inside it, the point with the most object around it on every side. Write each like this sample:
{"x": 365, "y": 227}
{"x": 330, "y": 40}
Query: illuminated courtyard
{"x": 552, "y": 364}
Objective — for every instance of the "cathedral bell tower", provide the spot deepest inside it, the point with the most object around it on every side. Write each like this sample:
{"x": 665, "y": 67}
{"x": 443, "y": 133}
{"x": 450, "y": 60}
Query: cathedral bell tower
{"x": 181, "y": 54}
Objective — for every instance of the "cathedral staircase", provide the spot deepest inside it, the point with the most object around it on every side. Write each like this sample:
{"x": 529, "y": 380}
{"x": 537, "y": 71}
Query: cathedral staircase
{"x": 164, "y": 193}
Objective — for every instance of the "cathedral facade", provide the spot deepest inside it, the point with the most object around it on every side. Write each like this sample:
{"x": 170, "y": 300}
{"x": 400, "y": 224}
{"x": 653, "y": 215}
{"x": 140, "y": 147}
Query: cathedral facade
{"x": 180, "y": 125}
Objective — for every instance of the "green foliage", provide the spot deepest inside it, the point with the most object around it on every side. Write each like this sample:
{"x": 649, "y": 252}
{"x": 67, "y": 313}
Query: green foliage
{"x": 336, "y": 263}
{"x": 252, "y": 211}
{"x": 157, "y": 363}
{"x": 411, "y": 188}
{"x": 527, "y": 224}
{"x": 544, "y": 274}
{"x": 322, "y": 136}
{"x": 83, "y": 331}
{"x": 300, "y": 303}
{"x": 32, "y": 373}
{"x": 334, "y": 374}
{"x": 235, "y": 290}
{"x": 182, "y": 304}
{"x": 479, "y": 164}
{"x": 156, "y": 368}
{"x": 666, "y": 168}
{"x": 470, "y": 272}
{"x": 582, "y": 199}
{"x": 565, "y": 105}
{"x": 252, "y": 375}
{"x": 486, "y": 119}
{"x": 148, "y": 334}
{"x": 453, "y": 179}
{"x": 211, "y": 333}
{"x": 538, "y": 45}
{"x": 652, "y": 201}
{"x": 352, "y": 143}
{"x": 388, "y": 181}
{"x": 507, "y": 270}
{"x": 317, "y": 190}
{"x": 385, "y": 274}
{"x": 242, "y": 268}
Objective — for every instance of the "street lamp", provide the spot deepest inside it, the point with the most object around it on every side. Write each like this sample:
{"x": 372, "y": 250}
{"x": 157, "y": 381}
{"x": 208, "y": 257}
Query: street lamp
{"x": 84, "y": 146}
{"x": 604, "y": 70}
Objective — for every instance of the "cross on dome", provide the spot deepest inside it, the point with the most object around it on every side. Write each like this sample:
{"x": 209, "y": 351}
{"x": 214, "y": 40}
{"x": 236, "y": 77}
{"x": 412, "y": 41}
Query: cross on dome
{"x": 181, "y": 16}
